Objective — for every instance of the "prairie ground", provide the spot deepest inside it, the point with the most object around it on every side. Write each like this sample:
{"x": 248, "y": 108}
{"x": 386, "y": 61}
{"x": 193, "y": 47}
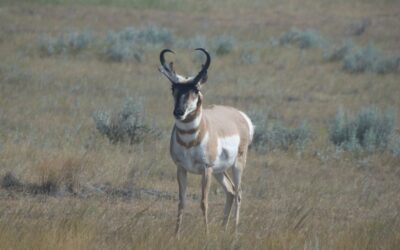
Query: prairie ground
{"x": 65, "y": 186}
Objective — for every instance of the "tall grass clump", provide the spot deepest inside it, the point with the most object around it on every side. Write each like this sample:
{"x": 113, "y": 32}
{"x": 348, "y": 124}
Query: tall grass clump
{"x": 53, "y": 176}
{"x": 278, "y": 136}
{"x": 129, "y": 44}
{"x": 72, "y": 42}
{"x": 370, "y": 130}
{"x": 129, "y": 124}
{"x": 304, "y": 39}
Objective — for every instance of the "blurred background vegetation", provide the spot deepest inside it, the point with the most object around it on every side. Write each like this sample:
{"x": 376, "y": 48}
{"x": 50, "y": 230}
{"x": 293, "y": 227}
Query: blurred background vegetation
{"x": 85, "y": 119}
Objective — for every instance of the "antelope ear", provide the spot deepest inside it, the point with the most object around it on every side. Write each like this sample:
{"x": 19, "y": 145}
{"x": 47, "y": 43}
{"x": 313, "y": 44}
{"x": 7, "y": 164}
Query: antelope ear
{"x": 204, "y": 79}
{"x": 171, "y": 67}
{"x": 200, "y": 100}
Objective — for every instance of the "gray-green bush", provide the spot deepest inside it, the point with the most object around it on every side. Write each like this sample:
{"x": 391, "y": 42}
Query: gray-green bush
{"x": 129, "y": 43}
{"x": 198, "y": 41}
{"x": 71, "y": 42}
{"x": 370, "y": 130}
{"x": 362, "y": 59}
{"x": 278, "y": 136}
{"x": 306, "y": 39}
{"x": 394, "y": 145}
{"x": 129, "y": 124}
{"x": 223, "y": 44}
{"x": 119, "y": 47}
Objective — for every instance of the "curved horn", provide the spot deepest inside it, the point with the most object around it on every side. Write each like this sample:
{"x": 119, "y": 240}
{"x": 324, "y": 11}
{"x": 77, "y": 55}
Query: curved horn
{"x": 204, "y": 68}
{"x": 165, "y": 69}
{"x": 162, "y": 59}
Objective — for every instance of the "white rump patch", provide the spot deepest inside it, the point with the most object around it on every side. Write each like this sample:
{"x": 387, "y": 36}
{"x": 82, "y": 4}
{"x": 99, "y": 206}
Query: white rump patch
{"x": 251, "y": 126}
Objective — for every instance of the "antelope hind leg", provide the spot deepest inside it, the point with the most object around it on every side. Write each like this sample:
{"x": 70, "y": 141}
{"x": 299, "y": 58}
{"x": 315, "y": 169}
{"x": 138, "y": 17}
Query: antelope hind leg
{"x": 237, "y": 171}
{"x": 205, "y": 189}
{"x": 228, "y": 187}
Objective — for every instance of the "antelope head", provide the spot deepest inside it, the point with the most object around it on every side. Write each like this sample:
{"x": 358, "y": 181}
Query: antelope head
{"x": 185, "y": 90}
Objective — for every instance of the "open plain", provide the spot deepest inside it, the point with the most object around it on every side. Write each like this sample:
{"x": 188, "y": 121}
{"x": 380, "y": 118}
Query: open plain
{"x": 67, "y": 184}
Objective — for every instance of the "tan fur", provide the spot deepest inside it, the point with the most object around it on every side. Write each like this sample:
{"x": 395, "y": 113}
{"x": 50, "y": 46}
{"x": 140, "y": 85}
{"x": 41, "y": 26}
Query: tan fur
{"x": 223, "y": 121}
{"x": 219, "y": 121}
{"x": 206, "y": 142}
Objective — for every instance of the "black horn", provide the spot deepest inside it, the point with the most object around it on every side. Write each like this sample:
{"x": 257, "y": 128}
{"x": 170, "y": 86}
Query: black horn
{"x": 162, "y": 59}
{"x": 165, "y": 69}
{"x": 204, "y": 68}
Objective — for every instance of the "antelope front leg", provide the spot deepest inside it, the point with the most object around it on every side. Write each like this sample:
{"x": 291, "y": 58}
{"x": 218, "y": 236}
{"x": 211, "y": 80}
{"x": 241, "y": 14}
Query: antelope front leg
{"x": 182, "y": 182}
{"x": 205, "y": 188}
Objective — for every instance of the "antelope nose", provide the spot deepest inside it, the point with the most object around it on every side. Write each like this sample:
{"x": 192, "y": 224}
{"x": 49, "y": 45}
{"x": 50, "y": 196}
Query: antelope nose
{"x": 178, "y": 112}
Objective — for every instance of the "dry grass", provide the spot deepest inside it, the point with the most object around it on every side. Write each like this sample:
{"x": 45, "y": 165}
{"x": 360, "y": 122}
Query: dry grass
{"x": 106, "y": 196}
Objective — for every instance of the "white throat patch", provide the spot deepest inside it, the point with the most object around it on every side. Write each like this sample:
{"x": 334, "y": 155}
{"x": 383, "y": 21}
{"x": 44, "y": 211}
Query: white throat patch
{"x": 189, "y": 125}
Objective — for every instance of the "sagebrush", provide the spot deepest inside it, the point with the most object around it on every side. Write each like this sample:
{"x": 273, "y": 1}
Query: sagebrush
{"x": 369, "y": 130}
{"x": 129, "y": 124}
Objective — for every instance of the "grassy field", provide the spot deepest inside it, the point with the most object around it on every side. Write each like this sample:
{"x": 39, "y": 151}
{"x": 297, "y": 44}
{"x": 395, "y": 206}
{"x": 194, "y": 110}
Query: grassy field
{"x": 66, "y": 186}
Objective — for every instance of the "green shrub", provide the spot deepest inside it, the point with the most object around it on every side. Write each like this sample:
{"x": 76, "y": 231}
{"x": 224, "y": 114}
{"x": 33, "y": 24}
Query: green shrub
{"x": 129, "y": 43}
{"x": 120, "y": 48}
{"x": 72, "y": 42}
{"x": 198, "y": 41}
{"x": 306, "y": 39}
{"x": 260, "y": 140}
{"x": 153, "y": 35}
{"x": 370, "y": 130}
{"x": 223, "y": 45}
{"x": 278, "y": 136}
{"x": 387, "y": 65}
{"x": 369, "y": 59}
{"x": 360, "y": 60}
{"x": 128, "y": 124}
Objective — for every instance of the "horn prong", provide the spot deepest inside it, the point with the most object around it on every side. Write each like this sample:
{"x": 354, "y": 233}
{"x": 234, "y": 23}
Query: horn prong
{"x": 167, "y": 71}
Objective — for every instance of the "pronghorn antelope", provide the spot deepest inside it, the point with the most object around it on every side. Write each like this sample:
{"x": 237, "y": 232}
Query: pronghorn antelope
{"x": 206, "y": 141}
